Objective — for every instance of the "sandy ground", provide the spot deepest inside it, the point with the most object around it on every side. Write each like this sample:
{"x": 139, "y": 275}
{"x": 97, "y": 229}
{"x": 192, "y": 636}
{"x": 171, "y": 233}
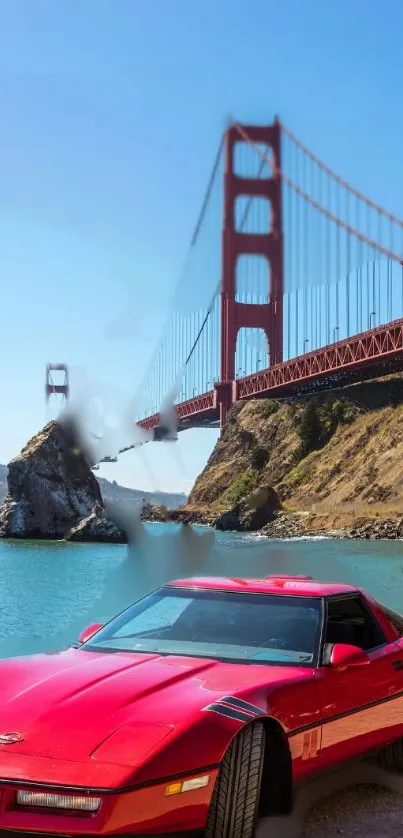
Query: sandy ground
{"x": 360, "y": 801}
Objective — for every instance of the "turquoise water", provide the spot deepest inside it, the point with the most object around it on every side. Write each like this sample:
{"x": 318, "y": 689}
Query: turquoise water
{"x": 50, "y": 591}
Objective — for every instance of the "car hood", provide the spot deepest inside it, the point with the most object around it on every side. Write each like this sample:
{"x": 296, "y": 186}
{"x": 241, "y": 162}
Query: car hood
{"x": 67, "y": 705}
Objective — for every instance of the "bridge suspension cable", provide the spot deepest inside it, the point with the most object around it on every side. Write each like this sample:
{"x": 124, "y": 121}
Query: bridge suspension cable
{"x": 338, "y": 179}
{"x": 328, "y": 213}
{"x": 164, "y": 385}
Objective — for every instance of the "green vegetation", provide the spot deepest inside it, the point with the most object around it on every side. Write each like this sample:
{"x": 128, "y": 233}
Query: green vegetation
{"x": 319, "y": 420}
{"x": 240, "y": 486}
{"x": 302, "y": 473}
{"x": 310, "y": 430}
{"x": 270, "y": 408}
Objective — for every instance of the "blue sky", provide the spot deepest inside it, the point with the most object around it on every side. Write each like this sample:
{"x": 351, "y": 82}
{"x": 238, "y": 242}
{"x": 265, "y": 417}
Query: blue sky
{"x": 110, "y": 115}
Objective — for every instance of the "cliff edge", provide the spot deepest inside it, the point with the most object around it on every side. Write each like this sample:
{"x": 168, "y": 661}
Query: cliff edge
{"x": 335, "y": 461}
{"x": 51, "y": 490}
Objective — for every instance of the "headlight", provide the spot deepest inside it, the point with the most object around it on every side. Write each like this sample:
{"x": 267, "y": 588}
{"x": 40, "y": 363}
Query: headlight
{"x": 58, "y": 801}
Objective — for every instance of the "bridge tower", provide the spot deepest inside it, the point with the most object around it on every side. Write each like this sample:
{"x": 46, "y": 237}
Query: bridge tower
{"x": 52, "y": 389}
{"x": 236, "y": 315}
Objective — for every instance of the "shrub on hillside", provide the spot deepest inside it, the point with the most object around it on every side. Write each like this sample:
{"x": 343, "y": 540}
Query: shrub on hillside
{"x": 319, "y": 420}
{"x": 259, "y": 458}
{"x": 240, "y": 486}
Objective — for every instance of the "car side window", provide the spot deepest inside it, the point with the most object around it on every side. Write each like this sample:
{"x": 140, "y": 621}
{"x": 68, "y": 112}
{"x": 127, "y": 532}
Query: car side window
{"x": 350, "y": 621}
{"x": 395, "y": 619}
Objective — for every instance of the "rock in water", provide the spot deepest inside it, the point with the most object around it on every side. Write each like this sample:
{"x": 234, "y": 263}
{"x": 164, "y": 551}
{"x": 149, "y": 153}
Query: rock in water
{"x": 97, "y": 527}
{"x": 252, "y": 513}
{"x": 50, "y": 488}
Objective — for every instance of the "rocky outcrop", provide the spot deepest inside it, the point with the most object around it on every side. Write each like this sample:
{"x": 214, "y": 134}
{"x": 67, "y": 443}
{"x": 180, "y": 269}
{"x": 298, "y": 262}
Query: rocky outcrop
{"x": 97, "y": 527}
{"x": 51, "y": 487}
{"x": 3, "y": 483}
{"x": 155, "y": 512}
{"x": 287, "y": 525}
{"x": 300, "y": 525}
{"x": 184, "y": 515}
{"x": 375, "y": 528}
{"x": 309, "y": 525}
{"x": 252, "y": 513}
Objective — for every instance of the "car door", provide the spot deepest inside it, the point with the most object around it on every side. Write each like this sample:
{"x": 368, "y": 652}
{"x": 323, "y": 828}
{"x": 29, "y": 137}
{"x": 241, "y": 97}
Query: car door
{"x": 361, "y": 706}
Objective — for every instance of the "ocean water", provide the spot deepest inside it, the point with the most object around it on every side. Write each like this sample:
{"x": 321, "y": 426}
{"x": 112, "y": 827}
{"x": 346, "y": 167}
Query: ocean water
{"x": 49, "y": 591}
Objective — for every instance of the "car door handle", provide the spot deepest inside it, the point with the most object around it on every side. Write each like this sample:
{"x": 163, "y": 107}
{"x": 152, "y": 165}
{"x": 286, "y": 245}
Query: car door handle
{"x": 397, "y": 664}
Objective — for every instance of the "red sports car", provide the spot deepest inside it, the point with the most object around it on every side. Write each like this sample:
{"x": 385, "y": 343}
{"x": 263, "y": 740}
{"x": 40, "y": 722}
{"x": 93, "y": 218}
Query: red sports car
{"x": 199, "y": 709}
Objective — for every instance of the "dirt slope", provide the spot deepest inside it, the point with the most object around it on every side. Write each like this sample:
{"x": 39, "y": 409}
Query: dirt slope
{"x": 338, "y": 450}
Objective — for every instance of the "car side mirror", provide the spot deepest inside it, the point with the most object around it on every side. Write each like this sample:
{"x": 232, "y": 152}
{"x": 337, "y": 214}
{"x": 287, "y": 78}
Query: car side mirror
{"x": 344, "y": 655}
{"x": 88, "y": 632}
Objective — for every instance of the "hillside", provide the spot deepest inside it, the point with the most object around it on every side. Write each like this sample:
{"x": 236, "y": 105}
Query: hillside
{"x": 337, "y": 456}
{"x": 112, "y": 491}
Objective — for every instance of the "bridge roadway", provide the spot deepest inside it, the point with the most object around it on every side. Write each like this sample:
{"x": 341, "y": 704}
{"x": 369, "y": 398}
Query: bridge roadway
{"x": 367, "y": 355}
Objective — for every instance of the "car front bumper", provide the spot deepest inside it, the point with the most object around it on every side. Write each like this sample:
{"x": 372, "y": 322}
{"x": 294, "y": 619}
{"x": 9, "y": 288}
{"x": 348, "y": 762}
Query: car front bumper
{"x": 145, "y": 811}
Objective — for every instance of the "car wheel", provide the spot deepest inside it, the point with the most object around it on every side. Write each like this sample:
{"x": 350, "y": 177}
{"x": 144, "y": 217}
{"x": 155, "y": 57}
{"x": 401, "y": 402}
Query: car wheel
{"x": 235, "y": 801}
{"x": 391, "y": 757}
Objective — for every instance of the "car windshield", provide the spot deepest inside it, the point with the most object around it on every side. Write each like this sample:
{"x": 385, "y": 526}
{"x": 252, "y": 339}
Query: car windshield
{"x": 223, "y": 625}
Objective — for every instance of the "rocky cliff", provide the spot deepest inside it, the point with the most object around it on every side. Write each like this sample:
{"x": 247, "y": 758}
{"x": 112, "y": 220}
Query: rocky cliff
{"x": 335, "y": 460}
{"x": 113, "y": 492}
{"x": 51, "y": 489}
{"x": 3, "y": 482}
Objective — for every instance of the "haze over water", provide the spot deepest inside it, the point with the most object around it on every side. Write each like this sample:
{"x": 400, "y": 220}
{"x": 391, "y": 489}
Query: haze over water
{"x": 49, "y": 591}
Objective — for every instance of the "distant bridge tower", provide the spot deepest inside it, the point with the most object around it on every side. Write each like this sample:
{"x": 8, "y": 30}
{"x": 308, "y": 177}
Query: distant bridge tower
{"x": 60, "y": 388}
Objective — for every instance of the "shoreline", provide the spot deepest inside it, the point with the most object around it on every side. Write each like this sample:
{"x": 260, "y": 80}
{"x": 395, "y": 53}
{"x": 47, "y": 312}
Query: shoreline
{"x": 284, "y": 526}
{"x": 287, "y": 525}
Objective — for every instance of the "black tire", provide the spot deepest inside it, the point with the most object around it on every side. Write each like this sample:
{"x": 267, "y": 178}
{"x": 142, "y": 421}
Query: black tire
{"x": 391, "y": 757}
{"x": 234, "y": 804}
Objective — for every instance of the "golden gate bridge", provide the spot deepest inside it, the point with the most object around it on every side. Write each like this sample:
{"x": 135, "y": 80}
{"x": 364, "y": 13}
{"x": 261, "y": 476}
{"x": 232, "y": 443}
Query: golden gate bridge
{"x": 293, "y": 282}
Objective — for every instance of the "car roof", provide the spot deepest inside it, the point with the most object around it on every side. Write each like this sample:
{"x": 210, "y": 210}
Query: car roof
{"x": 276, "y": 584}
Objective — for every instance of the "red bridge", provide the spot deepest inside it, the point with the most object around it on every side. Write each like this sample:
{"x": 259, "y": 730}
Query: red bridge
{"x": 302, "y": 290}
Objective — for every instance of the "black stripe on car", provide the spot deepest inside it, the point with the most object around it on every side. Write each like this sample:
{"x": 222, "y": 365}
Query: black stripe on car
{"x": 243, "y": 705}
{"x": 228, "y": 712}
